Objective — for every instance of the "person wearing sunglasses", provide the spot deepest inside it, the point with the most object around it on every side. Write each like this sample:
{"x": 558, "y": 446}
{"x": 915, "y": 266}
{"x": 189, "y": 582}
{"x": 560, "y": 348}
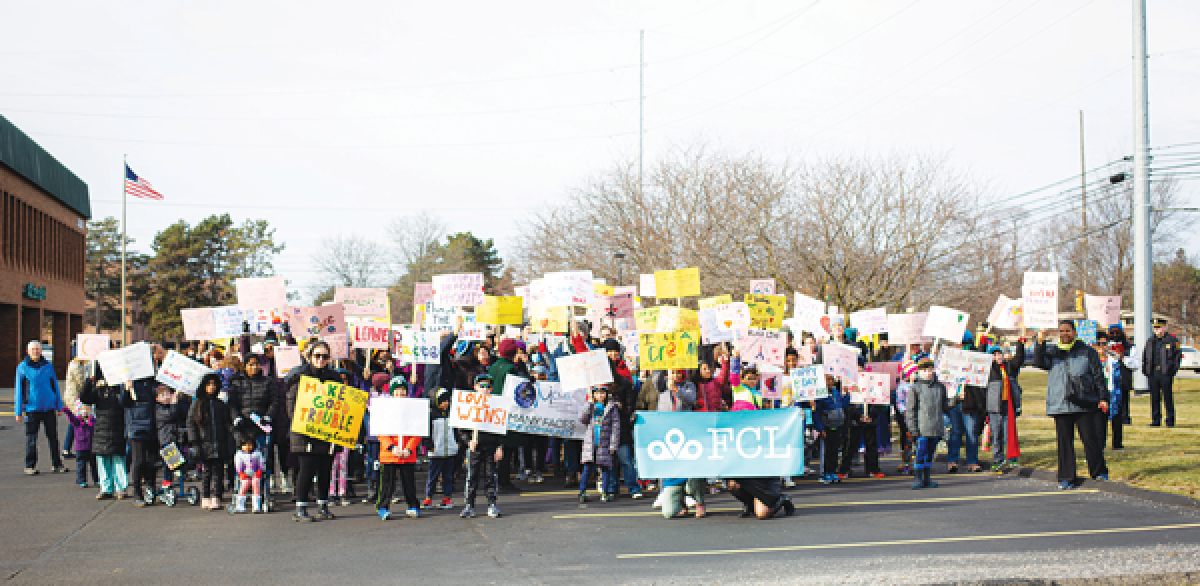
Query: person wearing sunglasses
{"x": 315, "y": 456}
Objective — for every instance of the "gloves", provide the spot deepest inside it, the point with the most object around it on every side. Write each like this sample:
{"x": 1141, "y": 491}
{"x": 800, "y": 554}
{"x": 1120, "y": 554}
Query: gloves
{"x": 266, "y": 419}
{"x": 245, "y": 327}
{"x": 237, "y": 421}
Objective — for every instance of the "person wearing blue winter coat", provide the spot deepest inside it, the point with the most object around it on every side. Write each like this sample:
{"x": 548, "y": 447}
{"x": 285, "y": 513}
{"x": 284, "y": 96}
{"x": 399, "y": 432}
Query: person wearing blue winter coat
{"x": 37, "y": 402}
{"x": 829, "y": 419}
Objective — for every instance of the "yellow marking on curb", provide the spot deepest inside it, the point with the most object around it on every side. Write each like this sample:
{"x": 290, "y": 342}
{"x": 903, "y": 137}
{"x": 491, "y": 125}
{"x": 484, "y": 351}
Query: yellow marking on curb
{"x": 967, "y": 538}
{"x": 948, "y": 499}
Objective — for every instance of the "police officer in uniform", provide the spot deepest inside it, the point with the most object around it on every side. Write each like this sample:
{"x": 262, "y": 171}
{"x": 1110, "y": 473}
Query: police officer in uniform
{"x": 1160, "y": 362}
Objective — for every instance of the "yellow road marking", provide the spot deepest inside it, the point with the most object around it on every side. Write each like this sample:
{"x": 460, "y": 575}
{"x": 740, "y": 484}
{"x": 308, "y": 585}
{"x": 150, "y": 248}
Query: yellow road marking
{"x": 8, "y": 413}
{"x": 948, "y": 499}
{"x": 911, "y": 541}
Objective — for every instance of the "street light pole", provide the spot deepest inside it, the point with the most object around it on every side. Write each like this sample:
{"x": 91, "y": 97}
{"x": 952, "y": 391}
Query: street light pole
{"x": 1142, "y": 255}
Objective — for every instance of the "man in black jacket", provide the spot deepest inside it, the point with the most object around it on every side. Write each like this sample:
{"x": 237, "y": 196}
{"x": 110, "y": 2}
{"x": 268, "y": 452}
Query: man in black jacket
{"x": 1160, "y": 362}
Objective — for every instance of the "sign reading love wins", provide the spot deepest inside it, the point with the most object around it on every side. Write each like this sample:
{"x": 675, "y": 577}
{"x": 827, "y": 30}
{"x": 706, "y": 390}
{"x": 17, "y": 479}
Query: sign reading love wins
{"x": 480, "y": 411}
{"x": 458, "y": 290}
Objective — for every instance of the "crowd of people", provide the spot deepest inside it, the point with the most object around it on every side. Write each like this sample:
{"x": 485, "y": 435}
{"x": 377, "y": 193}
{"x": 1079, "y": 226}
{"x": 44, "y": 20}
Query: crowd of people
{"x": 234, "y": 434}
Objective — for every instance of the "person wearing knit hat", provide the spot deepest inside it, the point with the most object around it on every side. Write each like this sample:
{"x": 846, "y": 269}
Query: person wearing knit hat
{"x": 1004, "y": 405}
{"x": 927, "y": 401}
{"x": 516, "y": 442}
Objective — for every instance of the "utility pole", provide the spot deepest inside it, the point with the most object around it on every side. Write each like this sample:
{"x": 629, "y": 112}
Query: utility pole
{"x": 1083, "y": 190}
{"x": 1142, "y": 254}
{"x": 641, "y": 103}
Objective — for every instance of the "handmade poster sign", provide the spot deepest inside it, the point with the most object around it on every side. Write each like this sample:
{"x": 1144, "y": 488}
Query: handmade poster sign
{"x": 88, "y": 346}
{"x": 647, "y": 286}
{"x": 599, "y": 287}
{"x": 1011, "y": 315}
{"x": 890, "y": 368}
{"x": 317, "y": 321}
{"x": 181, "y": 373}
{"x": 198, "y": 323}
{"x": 267, "y": 319}
{"x": 766, "y": 311}
{"x": 734, "y": 316}
{"x": 808, "y": 313}
{"x": 646, "y": 320}
{"x": 677, "y": 283}
{"x": 584, "y": 370}
{"x": 945, "y": 323}
{"x": 761, "y": 346}
{"x": 371, "y": 335}
{"x": 261, "y": 292}
{"x": 133, "y": 362}
{"x": 421, "y": 347}
{"x": 734, "y": 444}
{"x": 615, "y": 306}
{"x": 471, "y": 329}
{"x": 227, "y": 321}
{"x": 668, "y": 350}
{"x": 363, "y": 301}
{"x": 549, "y": 320}
{"x": 713, "y": 302}
{"x": 339, "y": 346}
{"x": 808, "y": 383}
{"x": 711, "y": 328}
{"x": 869, "y": 322}
{"x": 569, "y": 288}
{"x": 286, "y": 358}
{"x": 762, "y": 286}
{"x": 1086, "y": 330}
{"x": 481, "y": 411}
{"x": 500, "y": 311}
{"x": 956, "y": 366}
{"x": 907, "y": 328}
{"x": 439, "y": 318}
{"x": 1104, "y": 309}
{"x": 422, "y": 293}
{"x": 544, "y": 408}
{"x": 771, "y": 381}
{"x": 675, "y": 319}
{"x": 874, "y": 388}
{"x": 1040, "y": 296}
{"x": 458, "y": 290}
{"x": 841, "y": 361}
{"x": 329, "y": 411}
{"x": 630, "y": 340}
{"x": 398, "y": 416}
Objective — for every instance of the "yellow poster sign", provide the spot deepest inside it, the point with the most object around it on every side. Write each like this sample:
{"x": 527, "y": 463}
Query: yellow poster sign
{"x": 500, "y": 311}
{"x": 677, "y": 283}
{"x": 549, "y": 320}
{"x": 602, "y": 289}
{"x": 668, "y": 350}
{"x": 329, "y": 411}
{"x": 766, "y": 311}
{"x": 646, "y": 320}
{"x": 675, "y": 319}
{"x": 712, "y": 302}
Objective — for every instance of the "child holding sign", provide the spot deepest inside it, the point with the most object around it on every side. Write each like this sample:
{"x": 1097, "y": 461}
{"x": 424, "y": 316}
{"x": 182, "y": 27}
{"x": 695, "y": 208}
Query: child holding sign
{"x": 486, "y": 450}
{"x": 399, "y": 456}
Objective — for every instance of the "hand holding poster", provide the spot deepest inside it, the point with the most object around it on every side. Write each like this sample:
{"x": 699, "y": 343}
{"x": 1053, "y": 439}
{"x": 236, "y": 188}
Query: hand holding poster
{"x": 228, "y": 321}
{"x": 317, "y": 321}
{"x": 198, "y": 323}
{"x": 808, "y": 312}
{"x": 480, "y": 411}
{"x": 1104, "y": 309}
{"x": 501, "y": 311}
{"x": 711, "y": 328}
{"x": 870, "y": 322}
{"x": 874, "y": 388}
{"x": 329, "y": 411}
{"x": 421, "y": 347}
{"x": 363, "y": 302}
{"x": 907, "y": 328}
{"x": 458, "y": 290}
{"x": 584, "y": 370}
{"x": 946, "y": 323}
{"x": 808, "y": 383}
{"x": 88, "y": 346}
{"x": 841, "y": 361}
{"x": 766, "y": 311}
{"x": 677, "y": 283}
{"x": 133, "y": 362}
{"x": 1040, "y": 296}
{"x": 543, "y": 408}
{"x": 372, "y": 335}
{"x": 761, "y": 346}
{"x": 668, "y": 350}
{"x": 398, "y": 416}
{"x": 181, "y": 373}
{"x": 569, "y": 288}
{"x": 261, "y": 292}
{"x": 286, "y": 358}
{"x": 762, "y": 286}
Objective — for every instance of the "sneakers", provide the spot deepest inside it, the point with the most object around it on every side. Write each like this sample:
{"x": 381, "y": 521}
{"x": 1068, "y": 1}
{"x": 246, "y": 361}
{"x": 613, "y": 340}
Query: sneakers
{"x": 688, "y": 501}
{"x": 788, "y": 483}
{"x": 467, "y": 512}
{"x": 139, "y": 502}
{"x": 658, "y": 502}
{"x": 345, "y": 502}
{"x": 636, "y": 495}
{"x": 323, "y": 512}
{"x": 997, "y": 468}
{"x": 522, "y": 476}
{"x": 427, "y": 503}
{"x": 256, "y": 505}
{"x": 83, "y": 485}
{"x": 537, "y": 478}
{"x": 384, "y": 514}
{"x": 876, "y": 475}
{"x": 842, "y": 477}
{"x": 413, "y": 512}
{"x": 607, "y": 498}
{"x": 301, "y": 514}
{"x": 104, "y": 496}
{"x": 1103, "y": 477}
{"x": 446, "y": 503}
{"x": 241, "y": 504}
{"x": 583, "y": 497}
{"x": 59, "y": 470}
{"x": 31, "y": 472}
{"x": 494, "y": 511}
{"x": 1065, "y": 485}
{"x": 828, "y": 479}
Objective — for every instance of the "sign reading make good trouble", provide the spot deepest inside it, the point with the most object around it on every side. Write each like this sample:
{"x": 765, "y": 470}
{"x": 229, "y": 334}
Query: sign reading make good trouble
{"x": 734, "y": 444}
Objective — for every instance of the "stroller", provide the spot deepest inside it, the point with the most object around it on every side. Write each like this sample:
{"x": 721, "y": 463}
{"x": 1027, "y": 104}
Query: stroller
{"x": 169, "y": 495}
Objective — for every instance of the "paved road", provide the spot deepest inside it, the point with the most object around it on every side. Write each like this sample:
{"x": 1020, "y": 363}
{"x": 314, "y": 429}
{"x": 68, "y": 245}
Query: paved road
{"x": 972, "y": 527}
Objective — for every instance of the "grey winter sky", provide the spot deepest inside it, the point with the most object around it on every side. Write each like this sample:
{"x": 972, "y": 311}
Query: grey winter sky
{"x": 334, "y": 117}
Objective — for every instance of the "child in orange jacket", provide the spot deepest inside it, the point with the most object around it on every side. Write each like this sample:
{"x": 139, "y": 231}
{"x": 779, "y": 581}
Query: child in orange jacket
{"x": 398, "y": 454}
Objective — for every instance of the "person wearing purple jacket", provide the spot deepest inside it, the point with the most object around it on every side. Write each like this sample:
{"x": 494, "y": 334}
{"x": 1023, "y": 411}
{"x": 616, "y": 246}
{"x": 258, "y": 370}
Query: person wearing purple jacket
{"x": 82, "y": 426}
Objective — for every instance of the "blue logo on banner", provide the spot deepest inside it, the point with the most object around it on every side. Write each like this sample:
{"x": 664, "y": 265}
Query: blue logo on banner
{"x": 736, "y": 444}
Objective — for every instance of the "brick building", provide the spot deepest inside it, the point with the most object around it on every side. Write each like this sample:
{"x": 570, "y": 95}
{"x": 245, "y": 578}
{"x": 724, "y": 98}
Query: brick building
{"x": 44, "y": 209}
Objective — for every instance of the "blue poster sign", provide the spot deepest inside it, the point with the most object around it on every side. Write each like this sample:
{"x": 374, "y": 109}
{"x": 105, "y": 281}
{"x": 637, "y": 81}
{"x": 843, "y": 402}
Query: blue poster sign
{"x": 734, "y": 444}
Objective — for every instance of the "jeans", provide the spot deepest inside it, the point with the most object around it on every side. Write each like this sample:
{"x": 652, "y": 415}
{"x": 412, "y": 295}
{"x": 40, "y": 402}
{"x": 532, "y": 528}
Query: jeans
{"x": 605, "y": 476}
{"x": 572, "y": 454}
{"x": 963, "y": 426}
{"x": 440, "y": 468}
{"x": 926, "y": 447}
{"x": 68, "y": 440}
{"x": 84, "y": 459}
{"x": 49, "y": 421}
{"x": 628, "y": 471}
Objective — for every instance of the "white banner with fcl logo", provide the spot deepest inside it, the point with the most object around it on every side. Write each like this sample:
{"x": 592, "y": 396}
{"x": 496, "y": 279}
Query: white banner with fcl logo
{"x": 734, "y": 444}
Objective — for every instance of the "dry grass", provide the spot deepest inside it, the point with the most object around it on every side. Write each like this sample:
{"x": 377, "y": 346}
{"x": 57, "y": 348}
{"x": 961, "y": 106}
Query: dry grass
{"x": 1154, "y": 458}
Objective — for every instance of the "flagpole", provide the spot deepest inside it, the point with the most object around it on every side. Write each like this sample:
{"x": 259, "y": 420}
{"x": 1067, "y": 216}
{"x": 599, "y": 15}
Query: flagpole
{"x": 125, "y": 165}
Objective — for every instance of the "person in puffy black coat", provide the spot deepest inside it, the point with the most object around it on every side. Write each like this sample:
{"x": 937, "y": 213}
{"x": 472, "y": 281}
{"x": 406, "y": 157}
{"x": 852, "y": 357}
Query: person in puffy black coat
{"x": 142, "y": 433}
{"x": 170, "y": 414}
{"x": 250, "y": 394}
{"x": 210, "y": 430}
{"x": 108, "y": 437}
{"x": 315, "y": 456}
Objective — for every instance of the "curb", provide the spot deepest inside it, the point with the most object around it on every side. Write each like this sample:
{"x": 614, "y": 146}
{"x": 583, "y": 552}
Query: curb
{"x": 1162, "y": 498}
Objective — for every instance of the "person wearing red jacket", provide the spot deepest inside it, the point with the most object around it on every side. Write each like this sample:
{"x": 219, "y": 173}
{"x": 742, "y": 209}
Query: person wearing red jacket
{"x": 398, "y": 454}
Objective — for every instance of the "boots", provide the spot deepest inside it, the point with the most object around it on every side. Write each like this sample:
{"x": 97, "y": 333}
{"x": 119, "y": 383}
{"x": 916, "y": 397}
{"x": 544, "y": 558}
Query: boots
{"x": 241, "y": 504}
{"x": 257, "y": 504}
{"x": 918, "y": 478}
{"x": 929, "y": 483}
{"x": 301, "y": 513}
{"x": 323, "y": 511}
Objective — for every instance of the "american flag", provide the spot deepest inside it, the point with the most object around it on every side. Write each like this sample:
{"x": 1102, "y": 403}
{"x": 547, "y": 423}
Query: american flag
{"x": 139, "y": 187}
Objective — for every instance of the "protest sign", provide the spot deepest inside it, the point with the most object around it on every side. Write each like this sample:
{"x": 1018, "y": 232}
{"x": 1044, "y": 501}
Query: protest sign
{"x": 479, "y": 411}
{"x": 646, "y": 320}
{"x": 945, "y": 323}
{"x": 1040, "y": 296}
{"x": 808, "y": 312}
{"x": 734, "y": 316}
{"x": 907, "y": 328}
{"x": 263, "y": 320}
{"x": 997, "y": 309}
{"x": 316, "y": 321}
{"x": 874, "y": 388}
{"x": 808, "y": 383}
{"x": 544, "y": 408}
{"x": 631, "y": 341}
{"x": 549, "y": 320}
{"x": 601, "y": 288}
{"x": 711, "y": 328}
{"x": 363, "y": 301}
{"x": 471, "y": 329}
{"x": 1104, "y": 309}
{"x": 646, "y": 286}
{"x": 458, "y": 290}
{"x": 841, "y": 361}
{"x": 329, "y": 411}
{"x": 956, "y": 366}
{"x": 677, "y": 283}
{"x": 584, "y": 370}
{"x": 198, "y": 323}
{"x": 398, "y": 416}
{"x": 1086, "y": 330}
{"x": 734, "y": 444}
{"x": 339, "y": 346}
{"x": 713, "y": 302}
{"x": 668, "y": 350}
{"x": 766, "y": 311}
{"x": 615, "y": 306}
{"x": 1011, "y": 315}
{"x": 569, "y": 288}
{"x": 761, "y": 346}
{"x": 762, "y": 286}
{"x": 421, "y": 347}
{"x": 422, "y": 293}
{"x": 227, "y": 321}
{"x": 181, "y": 373}
{"x": 286, "y": 358}
{"x": 869, "y": 322}
{"x": 439, "y": 318}
{"x": 675, "y": 319}
{"x": 371, "y": 335}
{"x": 261, "y": 292}
{"x": 770, "y": 381}
{"x": 890, "y": 368}
{"x": 133, "y": 362}
{"x": 87, "y": 346}
{"x": 500, "y": 311}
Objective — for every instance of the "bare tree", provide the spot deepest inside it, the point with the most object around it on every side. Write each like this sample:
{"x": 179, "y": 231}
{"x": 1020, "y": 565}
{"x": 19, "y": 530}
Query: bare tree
{"x": 352, "y": 261}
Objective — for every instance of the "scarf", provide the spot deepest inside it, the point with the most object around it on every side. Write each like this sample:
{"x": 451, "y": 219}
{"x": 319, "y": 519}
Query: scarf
{"x": 1066, "y": 347}
{"x": 1007, "y": 385}
{"x": 1012, "y": 451}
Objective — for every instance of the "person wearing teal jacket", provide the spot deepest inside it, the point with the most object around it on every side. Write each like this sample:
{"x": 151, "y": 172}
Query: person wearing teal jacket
{"x": 37, "y": 402}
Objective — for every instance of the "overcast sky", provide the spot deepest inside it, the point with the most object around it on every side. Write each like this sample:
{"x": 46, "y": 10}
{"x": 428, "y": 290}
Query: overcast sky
{"x": 331, "y": 118}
